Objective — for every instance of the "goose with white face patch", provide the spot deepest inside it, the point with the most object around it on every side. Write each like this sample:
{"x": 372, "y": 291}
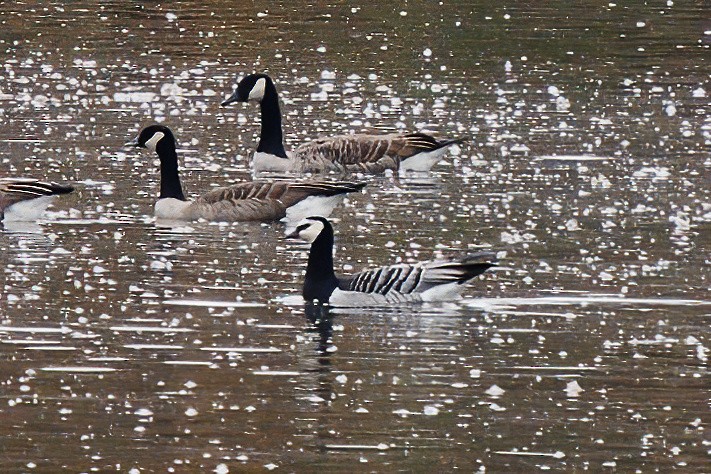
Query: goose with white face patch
{"x": 249, "y": 201}
{"x": 441, "y": 280}
{"x": 25, "y": 199}
{"x": 343, "y": 153}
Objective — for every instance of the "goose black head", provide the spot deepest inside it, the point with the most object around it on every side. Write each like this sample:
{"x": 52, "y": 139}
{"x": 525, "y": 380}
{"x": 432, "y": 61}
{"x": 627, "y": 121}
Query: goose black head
{"x": 310, "y": 228}
{"x": 154, "y": 136}
{"x": 251, "y": 87}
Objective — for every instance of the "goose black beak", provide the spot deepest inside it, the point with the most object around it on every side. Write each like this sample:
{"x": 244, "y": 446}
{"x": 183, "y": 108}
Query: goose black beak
{"x": 294, "y": 234}
{"x": 132, "y": 144}
{"x": 231, "y": 99}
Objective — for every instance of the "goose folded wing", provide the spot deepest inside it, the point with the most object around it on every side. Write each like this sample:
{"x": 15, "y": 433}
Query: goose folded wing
{"x": 417, "y": 278}
{"x": 263, "y": 201}
{"x": 354, "y": 150}
{"x": 402, "y": 278}
{"x": 242, "y": 202}
{"x": 15, "y": 190}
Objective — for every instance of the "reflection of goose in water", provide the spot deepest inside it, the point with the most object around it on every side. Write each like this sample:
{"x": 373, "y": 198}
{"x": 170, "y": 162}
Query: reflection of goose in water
{"x": 349, "y": 153}
{"x": 25, "y": 199}
{"x": 441, "y": 280}
{"x": 250, "y": 201}
{"x": 322, "y": 323}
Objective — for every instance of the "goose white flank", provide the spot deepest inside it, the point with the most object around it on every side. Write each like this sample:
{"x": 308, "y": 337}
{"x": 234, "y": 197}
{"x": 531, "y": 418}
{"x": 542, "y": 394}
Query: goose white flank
{"x": 26, "y": 199}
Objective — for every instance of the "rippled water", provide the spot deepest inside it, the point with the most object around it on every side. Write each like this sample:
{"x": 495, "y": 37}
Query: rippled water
{"x": 130, "y": 345}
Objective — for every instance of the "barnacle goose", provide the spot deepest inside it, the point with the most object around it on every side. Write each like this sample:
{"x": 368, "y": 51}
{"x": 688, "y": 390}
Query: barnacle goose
{"x": 441, "y": 280}
{"x": 342, "y": 153}
{"x": 248, "y": 201}
{"x": 25, "y": 199}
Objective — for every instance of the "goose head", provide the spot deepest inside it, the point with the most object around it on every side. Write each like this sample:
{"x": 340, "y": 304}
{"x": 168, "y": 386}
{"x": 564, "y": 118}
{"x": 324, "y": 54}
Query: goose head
{"x": 153, "y": 138}
{"x": 310, "y": 228}
{"x": 251, "y": 87}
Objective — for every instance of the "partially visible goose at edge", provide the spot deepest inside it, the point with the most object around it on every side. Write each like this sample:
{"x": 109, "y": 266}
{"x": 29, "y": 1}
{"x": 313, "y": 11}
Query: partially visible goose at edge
{"x": 25, "y": 199}
{"x": 342, "y": 153}
{"x": 249, "y": 201}
{"x": 441, "y": 280}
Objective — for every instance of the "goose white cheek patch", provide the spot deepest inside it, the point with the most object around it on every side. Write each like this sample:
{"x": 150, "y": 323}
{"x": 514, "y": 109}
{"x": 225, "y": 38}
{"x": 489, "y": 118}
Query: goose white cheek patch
{"x": 257, "y": 92}
{"x": 311, "y": 232}
{"x": 153, "y": 142}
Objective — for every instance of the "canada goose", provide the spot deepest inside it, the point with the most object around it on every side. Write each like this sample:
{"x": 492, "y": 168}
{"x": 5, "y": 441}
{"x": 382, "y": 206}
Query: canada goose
{"x": 25, "y": 199}
{"x": 249, "y": 201}
{"x": 402, "y": 283}
{"x": 354, "y": 153}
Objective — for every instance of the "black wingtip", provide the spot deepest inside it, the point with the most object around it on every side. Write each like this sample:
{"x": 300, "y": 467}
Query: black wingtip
{"x": 453, "y": 141}
{"x": 62, "y": 188}
{"x": 358, "y": 186}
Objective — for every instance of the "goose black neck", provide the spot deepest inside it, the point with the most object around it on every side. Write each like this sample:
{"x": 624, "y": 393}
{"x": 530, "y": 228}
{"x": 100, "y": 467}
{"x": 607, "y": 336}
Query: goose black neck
{"x": 271, "y": 140}
{"x": 169, "y": 178}
{"x": 320, "y": 278}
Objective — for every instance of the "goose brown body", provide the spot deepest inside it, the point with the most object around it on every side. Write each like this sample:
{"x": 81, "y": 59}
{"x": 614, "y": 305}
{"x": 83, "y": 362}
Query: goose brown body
{"x": 343, "y": 153}
{"x": 248, "y": 201}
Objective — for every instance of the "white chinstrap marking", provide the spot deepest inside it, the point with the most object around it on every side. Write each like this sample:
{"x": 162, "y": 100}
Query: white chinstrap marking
{"x": 257, "y": 92}
{"x": 153, "y": 142}
{"x": 312, "y": 231}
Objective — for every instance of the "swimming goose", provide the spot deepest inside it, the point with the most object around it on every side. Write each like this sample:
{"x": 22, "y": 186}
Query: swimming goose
{"x": 355, "y": 153}
{"x": 25, "y": 199}
{"x": 402, "y": 283}
{"x": 249, "y": 201}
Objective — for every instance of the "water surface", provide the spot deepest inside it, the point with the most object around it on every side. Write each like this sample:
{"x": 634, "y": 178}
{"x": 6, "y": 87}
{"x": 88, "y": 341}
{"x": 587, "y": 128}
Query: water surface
{"x": 131, "y": 345}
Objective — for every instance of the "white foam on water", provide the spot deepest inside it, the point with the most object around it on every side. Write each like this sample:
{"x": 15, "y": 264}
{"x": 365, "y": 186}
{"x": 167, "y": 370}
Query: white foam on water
{"x": 86, "y": 370}
{"x": 572, "y": 158}
{"x": 108, "y": 359}
{"x": 153, "y": 347}
{"x": 28, "y": 341}
{"x": 557, "y": 454}
{"x": 379, "y": 447}
{"x": 276, "y": 372}
{"x": 275, "y": 326}
{"x": 553, "y": 367}
{"x": 35, "y": 330}
{"x": 501, "y": 303}
{"x": 214, "y": 304}
{"x": 255, "y": 350}
{"x": 50, "y": 348}
{"x": 187, "y": 362}
{"x": 149, "y": 329}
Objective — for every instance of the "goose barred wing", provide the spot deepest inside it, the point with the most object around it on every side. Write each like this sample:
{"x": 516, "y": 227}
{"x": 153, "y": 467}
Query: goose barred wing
{"x": 406, "y": 279}
{"x": 14, "y": 190}
{"x": 403, "y": 279}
